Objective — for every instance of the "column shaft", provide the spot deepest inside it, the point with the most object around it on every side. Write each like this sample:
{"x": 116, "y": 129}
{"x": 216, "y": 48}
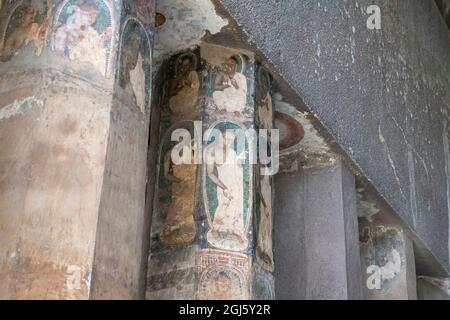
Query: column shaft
{"x": 64, "y": 126}
{"x": 316, "y": 235}
{"x": 209, "y": 239}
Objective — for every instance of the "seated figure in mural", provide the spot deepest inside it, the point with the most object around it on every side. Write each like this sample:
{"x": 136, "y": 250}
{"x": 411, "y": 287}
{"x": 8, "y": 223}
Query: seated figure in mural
{"x": 133, "y": 70}
{"x": 230, "y": 88}
{"x": 26, "y": 32}
{"x": 223, "y": 288}
{"x": 228, "y": 229}
{"x": 184, "y": 90}
{"x": 78, "y": 40}
{"x": 179, "y": 225}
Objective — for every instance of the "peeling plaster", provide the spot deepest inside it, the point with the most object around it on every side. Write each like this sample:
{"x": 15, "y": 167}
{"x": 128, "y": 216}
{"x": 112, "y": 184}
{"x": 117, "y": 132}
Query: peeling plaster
{"x": 312, "y": 149}
{"x": 384, "y": 247}
{"x": 18, "y": 107}
{"x": 312, "y": 141}
{"x": 366, "y": 209}
{"x": 186, "y": 23}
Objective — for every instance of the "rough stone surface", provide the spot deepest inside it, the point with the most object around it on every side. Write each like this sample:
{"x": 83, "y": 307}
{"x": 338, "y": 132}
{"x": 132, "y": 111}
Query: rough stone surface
{"x": 381, "y": 93}
{"x": 316, "y": 235}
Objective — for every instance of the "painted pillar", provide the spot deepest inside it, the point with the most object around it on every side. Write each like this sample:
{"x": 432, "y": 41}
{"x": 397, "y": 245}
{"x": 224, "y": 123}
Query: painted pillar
{"x": 212, "y": 224}
{"x": 388, "y": 264}
{"x": 316, "y": 234}
{"x": 74, "y": 119}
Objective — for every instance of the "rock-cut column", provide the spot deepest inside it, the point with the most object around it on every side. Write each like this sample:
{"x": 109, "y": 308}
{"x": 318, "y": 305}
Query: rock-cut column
{"x": 212, "y": 228}
{"x": 74, "y": 123}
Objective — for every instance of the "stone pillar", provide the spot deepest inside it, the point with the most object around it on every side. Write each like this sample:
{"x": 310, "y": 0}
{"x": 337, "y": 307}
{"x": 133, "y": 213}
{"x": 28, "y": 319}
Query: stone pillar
{"x": 212, "y": 224}
{"x": 74, "y": 120}
{"x": 316, "y": 234}
{"x": 388, "y": 263}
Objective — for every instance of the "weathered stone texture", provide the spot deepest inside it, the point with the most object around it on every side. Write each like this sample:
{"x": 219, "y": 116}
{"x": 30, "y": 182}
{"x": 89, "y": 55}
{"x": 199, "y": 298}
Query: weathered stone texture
{"x": 381, "y": 93}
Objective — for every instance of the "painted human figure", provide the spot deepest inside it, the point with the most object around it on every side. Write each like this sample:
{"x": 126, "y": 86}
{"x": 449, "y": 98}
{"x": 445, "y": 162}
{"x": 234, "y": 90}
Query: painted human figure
{"x": 144, "y": 9}
{"x": 230, "y": 88}
{"x": 265, "y": 110}
{"x": 264, "y": 250}
{"x": 184, "y": 90}
{"x": 133, "y": 70}
{"x": 179, "y": 225}
{"x": 78, "y": 39}
{"x": 27, "y": 31}
{"x": 223, "y": 288}
{"x": 228, "y": 229}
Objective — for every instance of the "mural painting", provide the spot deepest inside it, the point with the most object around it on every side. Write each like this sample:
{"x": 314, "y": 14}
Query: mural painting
{"x": 264, "y": 250}
{"x": 28, "y": 24}
{"x": 228, "y": 189}
{"x": 184, "y": 88}
{"x": 263, "y": 284}
{"x": 84, "y": 31}
{"x": 264, "y": 217}
{"x": 177, "y": 187}
{"x": 264, "y": 100}
{"x": 144, "y": 10}
{"x": 135, "y": 64}
{"x": 229, "y": 88}
{"x": 222, "y": 276}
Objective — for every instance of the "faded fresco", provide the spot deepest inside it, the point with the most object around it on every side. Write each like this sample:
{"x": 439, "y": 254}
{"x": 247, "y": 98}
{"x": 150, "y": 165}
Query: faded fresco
{"x": 135, "y": 64}
{"x": 264, "y": 250}
{"x": 177, "y": 186}
{"x": 83, "y": 33}
{"x": 144, "y": 10}
{"x": 264, "y": 100}
{"x": 222, "y": 276}
{"x": 263, "y": 284}
{"x": 228, "y": 191}
{"x": 230, "y": 88}
{"x": 227, "y": 88}
{"x": 27, "y": 24}
{"x": 383, "y": 247}
{"x": 264, "y": 212}
{"x": 184, "y": 88}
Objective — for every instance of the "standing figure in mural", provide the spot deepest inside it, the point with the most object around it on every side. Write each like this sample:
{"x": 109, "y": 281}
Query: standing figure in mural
{"x": 26, "y": 30}
{"x": 230, "y": 88}
{"x": 264, "y": 98}
{"x": 133, "y": 66}
{"x": 144, "y": 10}
{"x": 228, "y": 229}
{"x": 184, "y": 89}
{"x": 77, "y": 38}
{"x": 264, "y": 251}
{"x": 179, "y": 226}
